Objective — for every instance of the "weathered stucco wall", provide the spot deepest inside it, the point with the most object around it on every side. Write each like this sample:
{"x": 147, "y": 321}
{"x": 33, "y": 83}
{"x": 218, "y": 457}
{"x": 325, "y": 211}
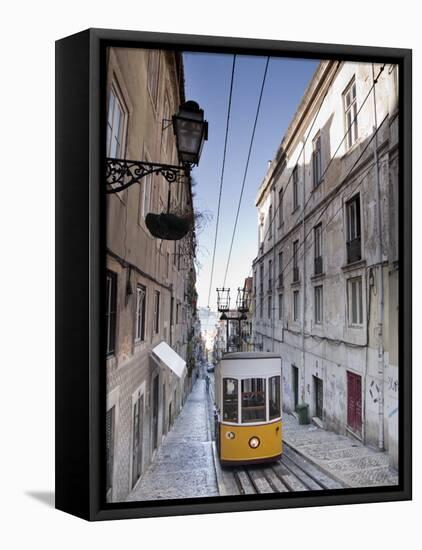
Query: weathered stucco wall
{"x": 330, "y": 349}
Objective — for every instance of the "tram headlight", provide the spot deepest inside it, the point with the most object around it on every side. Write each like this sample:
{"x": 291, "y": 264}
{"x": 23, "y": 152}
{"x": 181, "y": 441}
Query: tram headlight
{"x": 254, "y": 442}
{"x": 230, "y": 435}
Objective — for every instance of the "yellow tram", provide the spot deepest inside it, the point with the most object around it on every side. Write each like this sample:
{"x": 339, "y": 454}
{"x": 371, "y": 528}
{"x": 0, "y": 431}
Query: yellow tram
{"x": 248, "y": 421}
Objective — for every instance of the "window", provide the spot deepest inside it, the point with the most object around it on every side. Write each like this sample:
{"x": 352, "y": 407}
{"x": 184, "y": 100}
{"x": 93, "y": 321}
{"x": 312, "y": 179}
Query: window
{"x": 270, "y": 221}
{"x": 261, "y": 279}
{"x": 280, "y": 269}
{"x": 269, "y": 306}
{"x": 295, "y": 188}
{"x": 318, "y": 304}
{"x": 171, "y": 311}
{"x": 177, "y": 313}
{"x": 295, "y": 262}
{"x": 350, "y": 113}
{"x": 153, "y": 67}
{"x": 270, "y": 275}
{"x": 354, "y": 253}
{"x": 318, "y": 249}
{"x": 280, "y": 207}
{"x": 274, "y": 397}
{"x": 280, "y": 307}
{"x": 145, "y": 193}
{"x": 296, "y": 305}
{"x": 261, "y": 306}
{"x": 111, "y": 295}
{"x": 354, "y": 300}
{"x": 140, "y": 313}
{"x": 316, "y": 160}
{"x": 165, "y": 133}
{"x": 230, "y": 400}
{"x": 115, "y": 125}
{"x": 253, "y": 400}
{"x": 156, "y": 312}
{"x": 261, "y": 229}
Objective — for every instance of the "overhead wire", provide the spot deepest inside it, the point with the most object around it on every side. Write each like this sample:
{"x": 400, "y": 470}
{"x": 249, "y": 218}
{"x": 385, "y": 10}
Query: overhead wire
{"x": 221, "y": 178}
{"x": 246, "y": 168}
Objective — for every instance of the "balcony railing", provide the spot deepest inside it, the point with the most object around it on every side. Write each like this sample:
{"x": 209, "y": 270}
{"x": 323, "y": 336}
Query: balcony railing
{"x": 295, "y": 274}
{"x": 318, "y": 265}
{"x": 354, "y": 251}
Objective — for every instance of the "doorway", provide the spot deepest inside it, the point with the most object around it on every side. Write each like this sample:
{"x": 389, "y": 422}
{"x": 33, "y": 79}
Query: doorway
{"x": 318, "y": 393}
{"x": 295, "y": 386}
{"x": 137, "y": 437}
{"x": 354, "y": 402}
{"x": 155, "y": 390}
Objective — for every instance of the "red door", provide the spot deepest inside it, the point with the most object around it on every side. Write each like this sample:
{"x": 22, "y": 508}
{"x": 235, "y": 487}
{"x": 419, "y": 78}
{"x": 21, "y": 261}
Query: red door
{"x": 354, "y": 402}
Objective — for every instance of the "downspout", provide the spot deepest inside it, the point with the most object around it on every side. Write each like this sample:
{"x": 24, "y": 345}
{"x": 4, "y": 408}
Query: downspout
{"x": 380, "y": 282}
{"x": 304, "y": 273}
{"x": 273, "y": 274}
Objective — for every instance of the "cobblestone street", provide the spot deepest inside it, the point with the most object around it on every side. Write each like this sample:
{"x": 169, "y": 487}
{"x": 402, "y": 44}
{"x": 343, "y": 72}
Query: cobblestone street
{"x": 183, "y": 466}
{"x": 346, "y": 459}
{"x": 186, "y": 464}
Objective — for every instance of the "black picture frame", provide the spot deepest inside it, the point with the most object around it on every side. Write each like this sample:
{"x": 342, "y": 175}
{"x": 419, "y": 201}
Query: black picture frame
{"x": 80, "y": 264}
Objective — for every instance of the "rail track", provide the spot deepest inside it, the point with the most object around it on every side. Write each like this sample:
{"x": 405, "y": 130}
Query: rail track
{"x": 292, "y": 473}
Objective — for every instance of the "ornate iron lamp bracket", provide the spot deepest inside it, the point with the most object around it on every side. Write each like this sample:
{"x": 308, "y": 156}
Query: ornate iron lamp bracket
{"x": 122, "y": 173}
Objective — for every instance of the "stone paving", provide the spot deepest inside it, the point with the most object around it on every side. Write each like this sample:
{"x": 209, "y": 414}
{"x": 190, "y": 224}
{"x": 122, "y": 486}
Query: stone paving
{"x": 183, "y": 466}
{"x": 346, "y": 459}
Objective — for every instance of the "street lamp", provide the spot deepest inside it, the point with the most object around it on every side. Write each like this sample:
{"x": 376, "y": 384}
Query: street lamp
{"x": 191, "y": 130}
{"x": 242, "y": 305}
{"x": 223, "y": 299}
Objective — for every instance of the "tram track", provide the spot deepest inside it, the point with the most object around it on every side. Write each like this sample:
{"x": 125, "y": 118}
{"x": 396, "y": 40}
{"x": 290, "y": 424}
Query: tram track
{"x": 292, "y": 473}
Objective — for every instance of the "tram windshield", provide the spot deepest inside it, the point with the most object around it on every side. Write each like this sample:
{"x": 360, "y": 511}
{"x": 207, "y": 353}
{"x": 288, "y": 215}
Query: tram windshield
{"x": 274, "y": 397}
{"x": 230, "y": 400}
{"x": 253, "y": 400}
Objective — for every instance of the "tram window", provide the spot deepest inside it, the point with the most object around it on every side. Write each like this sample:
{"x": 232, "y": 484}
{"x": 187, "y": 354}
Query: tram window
{"x": 253, "y": 400}
{"x": 274, "y": 397}
{"x": 230, "y": 400}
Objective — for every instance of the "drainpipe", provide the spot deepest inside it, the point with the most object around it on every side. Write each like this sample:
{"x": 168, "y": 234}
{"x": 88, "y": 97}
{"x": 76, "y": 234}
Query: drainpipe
{"x": 304, "y": 272}
{"x": 273, "y": 275}
{"x": 380, "y": 283}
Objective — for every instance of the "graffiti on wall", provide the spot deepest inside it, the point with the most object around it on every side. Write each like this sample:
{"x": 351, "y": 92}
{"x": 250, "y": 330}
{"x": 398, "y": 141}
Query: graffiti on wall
{"x": 393, "y": 384}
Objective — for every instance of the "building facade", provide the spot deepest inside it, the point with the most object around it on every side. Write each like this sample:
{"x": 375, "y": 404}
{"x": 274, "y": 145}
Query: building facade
{"x": 151, "y": 296}
{"x": 326, "y": 273}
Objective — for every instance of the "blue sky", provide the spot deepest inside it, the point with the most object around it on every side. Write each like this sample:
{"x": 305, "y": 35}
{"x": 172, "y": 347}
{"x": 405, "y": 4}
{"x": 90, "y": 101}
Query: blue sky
{"x": 207, "y": 81}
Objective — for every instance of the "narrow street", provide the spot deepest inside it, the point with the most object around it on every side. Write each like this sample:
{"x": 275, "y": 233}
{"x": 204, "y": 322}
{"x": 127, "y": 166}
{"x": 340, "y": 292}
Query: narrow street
{"x": 184, "y": 465}
{"x": 187, "y": 465}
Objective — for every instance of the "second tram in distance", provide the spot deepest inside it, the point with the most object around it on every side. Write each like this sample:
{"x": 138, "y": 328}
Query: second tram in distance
{"x": 248, "y": 422}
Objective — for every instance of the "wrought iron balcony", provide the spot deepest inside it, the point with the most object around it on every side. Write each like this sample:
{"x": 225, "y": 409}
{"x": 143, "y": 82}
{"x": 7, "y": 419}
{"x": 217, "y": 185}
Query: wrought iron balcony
{"x": 295, "y": 274}
{"x": 354, "y": 253}
{"x": 318, "y": 265}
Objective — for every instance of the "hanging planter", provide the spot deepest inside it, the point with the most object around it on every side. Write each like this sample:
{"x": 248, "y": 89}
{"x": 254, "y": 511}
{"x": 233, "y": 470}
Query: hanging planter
{"x": 168, "y": 226}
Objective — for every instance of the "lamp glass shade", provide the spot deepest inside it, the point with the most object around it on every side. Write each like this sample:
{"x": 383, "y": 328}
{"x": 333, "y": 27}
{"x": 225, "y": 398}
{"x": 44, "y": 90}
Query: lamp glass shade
{"x": 191, "y": 131}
